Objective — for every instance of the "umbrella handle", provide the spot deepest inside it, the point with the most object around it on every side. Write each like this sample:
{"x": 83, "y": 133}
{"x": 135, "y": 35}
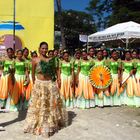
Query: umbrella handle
{"x": 125, "y": 80}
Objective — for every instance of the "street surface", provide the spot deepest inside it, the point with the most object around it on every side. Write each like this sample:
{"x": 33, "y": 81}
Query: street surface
{"x": 109, "y": 123}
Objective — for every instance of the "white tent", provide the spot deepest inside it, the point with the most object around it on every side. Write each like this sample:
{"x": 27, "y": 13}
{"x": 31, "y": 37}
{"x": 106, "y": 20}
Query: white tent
{"x": 122, "y": 31}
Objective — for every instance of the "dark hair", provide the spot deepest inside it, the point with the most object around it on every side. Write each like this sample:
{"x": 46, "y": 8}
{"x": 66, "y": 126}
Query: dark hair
{"x": 90, "y": 48}
{"x": 98, "y": 50}
{"x": 50, "y": 51}
{"x": 127, "y": 51}
{"x": 25, "y": 49}
{"x": 9, "y": 49}
{"x": 134, "y": 51}
{"x": 33, "y": 52}
{"x": 17, "y": 51}
{"x": 55, "y": 50}
{"x": 43, "y": 43}
{"x": 104, "y": 50}
{"x": 65, "y": 51}
{"x": 78, "y": 52}
{"x": 114, "y": 50}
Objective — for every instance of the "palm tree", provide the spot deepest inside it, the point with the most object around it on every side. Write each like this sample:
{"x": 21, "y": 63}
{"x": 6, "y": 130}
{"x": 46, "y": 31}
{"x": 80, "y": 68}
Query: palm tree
{"x": 58, "y": 2}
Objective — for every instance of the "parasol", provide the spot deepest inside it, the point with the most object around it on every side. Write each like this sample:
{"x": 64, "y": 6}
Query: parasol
{"x": 100, "y": 77}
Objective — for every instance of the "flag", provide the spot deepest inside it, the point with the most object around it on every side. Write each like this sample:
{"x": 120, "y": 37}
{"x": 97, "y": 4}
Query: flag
{"x": 37, "y": 18}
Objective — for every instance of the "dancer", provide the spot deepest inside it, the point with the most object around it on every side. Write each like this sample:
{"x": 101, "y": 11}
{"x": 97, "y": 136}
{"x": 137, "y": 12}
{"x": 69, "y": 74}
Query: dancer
{"x": 115, "y": 68}
{"x": 28, "y": 81}
{"x": 77, "y": 58}
{"x": 66, "y": 80}
{"x": 102, "y": 96}
{"x": 5, "y": 81}
{"x": 16, "y": 98}
{"x": 128, "y": 84}
{"x": 136, "y": 78}
{"x": 45, "y": 113}
{"x": 85, "y": 92}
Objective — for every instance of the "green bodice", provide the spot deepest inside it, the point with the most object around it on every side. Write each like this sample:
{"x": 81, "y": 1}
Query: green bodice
{"x": 76, "y": 63}
{"x": 20, "y": 67}
{"x": 66, "y": 67}
{"x": 85, "y": 66}
{"x": 28, "y": 64}
{"x": 7, "y": 64}
{"x": 99, "y": 62}
{"x": 128, "y": 66}
{"x": 114, "y": 65}
{"x": 138, "y": 67}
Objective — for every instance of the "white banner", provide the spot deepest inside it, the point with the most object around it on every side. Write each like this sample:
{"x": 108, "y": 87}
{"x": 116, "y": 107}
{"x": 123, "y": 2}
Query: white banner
{"x": 83, "y": 38}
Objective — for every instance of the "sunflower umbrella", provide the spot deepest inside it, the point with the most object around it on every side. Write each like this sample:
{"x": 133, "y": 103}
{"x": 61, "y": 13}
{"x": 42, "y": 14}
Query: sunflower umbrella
{"x": 100, "y": 77}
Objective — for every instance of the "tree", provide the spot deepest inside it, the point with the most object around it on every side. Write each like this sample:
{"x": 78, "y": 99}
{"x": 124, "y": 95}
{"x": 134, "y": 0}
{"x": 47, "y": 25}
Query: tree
{"x": 75, "y": 23}
{"x": 101, "y": 11}
{"x": 124, "y": 11}
{"x": 110, "y": 12}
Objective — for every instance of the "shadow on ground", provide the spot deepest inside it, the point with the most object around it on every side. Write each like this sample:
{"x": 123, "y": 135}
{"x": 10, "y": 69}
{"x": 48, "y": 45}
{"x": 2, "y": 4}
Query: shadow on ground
{"x": 21, "y": 117}
{"x": 71, "y": 116}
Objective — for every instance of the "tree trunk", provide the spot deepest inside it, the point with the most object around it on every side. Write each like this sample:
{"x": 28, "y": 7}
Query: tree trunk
{"x": 58, "y": 2}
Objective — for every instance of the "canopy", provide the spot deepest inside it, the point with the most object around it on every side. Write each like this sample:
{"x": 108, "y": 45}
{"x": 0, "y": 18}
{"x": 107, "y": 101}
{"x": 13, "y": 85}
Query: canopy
{"x": 123, "y": 31}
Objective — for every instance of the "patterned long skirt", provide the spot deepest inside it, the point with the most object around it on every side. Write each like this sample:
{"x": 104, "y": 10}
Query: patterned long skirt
{"x": 46, "y": 114}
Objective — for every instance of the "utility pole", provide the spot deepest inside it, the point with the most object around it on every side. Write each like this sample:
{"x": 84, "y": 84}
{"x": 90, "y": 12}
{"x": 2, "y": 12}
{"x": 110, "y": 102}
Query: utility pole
{"x": 14, "y": 22}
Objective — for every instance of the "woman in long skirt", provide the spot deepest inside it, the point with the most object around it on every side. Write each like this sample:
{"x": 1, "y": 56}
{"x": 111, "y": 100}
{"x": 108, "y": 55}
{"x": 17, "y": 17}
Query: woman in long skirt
{"x": 6, "y": 81}
{"x": 46, "y": 114}
{"x": 115, "y": 68}
{"x": 28, "y": 84}
{"x": 17, "y": 94}
{"x": 84, "y": 92}
{"x": 76, "y": 63}
{"x": 128, "y": 84}
{"x": 136, "y": 78}
{"x": 102, "y": 96}
{"x": 66, "y": 73}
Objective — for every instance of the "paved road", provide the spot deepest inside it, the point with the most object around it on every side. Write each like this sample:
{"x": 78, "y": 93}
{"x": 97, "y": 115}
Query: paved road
{"x": 111, "y": 123}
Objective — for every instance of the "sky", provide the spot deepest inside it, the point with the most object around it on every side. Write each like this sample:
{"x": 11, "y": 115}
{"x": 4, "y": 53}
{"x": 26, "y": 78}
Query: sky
{"x": 78, "y": 5}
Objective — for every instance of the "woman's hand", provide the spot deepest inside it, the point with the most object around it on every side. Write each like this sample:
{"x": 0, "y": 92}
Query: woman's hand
{"x": 131, "y": 72}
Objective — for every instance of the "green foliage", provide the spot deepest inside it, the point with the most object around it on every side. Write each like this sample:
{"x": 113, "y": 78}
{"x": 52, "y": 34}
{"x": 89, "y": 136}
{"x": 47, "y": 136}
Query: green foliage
{"x": 101, "y": 10}
{"x": 125, "y": 10}
{"x": 49, "y": 68}
{"x": 110, "y": 12}
{"x": 75, "y": 23}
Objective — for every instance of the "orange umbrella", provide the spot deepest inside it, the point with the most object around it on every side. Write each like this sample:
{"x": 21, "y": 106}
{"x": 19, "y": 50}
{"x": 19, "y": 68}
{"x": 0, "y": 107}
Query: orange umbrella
{"x": 100, "y": 76}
